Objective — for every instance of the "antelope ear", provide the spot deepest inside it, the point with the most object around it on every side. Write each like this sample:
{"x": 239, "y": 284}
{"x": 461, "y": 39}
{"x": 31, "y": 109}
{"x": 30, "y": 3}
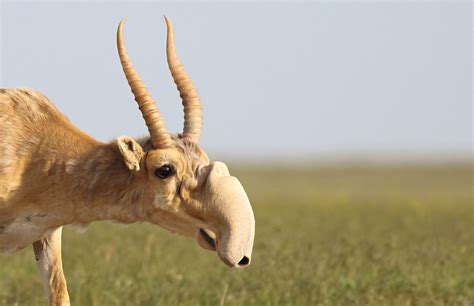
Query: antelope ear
{"x": 131, "y": 151}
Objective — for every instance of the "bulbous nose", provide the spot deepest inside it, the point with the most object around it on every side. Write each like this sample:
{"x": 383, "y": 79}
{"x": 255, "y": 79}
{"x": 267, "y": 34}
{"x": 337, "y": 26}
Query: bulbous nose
{"x": 244, "y": 262}
{"x": 231, "y": 210}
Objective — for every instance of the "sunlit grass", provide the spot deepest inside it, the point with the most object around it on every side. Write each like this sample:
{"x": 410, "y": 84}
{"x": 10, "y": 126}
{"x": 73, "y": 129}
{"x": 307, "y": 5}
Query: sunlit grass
{"x": 335, "y": 235}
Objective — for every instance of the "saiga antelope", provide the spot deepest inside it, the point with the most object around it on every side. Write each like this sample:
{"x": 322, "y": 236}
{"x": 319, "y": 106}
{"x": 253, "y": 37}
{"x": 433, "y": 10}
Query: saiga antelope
{"x": 52, "y": 174}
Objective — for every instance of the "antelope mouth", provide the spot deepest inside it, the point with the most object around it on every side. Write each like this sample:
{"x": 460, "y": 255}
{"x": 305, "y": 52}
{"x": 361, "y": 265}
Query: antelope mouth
{"x": 208, "y": 237}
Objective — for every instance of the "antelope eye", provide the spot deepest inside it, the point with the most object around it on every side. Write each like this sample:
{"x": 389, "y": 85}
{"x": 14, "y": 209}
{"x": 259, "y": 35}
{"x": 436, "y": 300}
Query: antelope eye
{"x": 164, "y": 171}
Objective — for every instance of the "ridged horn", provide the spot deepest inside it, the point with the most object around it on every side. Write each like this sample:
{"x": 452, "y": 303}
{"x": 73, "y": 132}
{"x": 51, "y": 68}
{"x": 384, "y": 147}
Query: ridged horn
{"x": 187, "y": 91}
{"x": 159, "y": 135}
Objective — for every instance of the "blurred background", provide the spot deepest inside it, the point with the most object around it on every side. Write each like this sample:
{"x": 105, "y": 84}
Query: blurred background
{"x": 349, "y": 124}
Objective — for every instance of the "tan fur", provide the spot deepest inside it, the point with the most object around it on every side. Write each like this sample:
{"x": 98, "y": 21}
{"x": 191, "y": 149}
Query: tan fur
{"x": 52, "y": 174}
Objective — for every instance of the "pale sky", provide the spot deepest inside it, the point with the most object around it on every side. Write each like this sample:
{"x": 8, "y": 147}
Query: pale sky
{"x": 275, "y": 79}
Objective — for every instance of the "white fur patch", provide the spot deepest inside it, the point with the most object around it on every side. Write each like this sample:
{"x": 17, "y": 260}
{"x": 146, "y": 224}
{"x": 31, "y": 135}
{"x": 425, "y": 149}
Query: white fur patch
{"x": 20, "y": 233}
{"x": 22, "y": 228}
{"x": 161, "y": 202}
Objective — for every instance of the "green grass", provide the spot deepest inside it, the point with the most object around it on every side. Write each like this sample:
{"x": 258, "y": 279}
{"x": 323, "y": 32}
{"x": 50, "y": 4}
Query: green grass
{"x": 334, "y": 235}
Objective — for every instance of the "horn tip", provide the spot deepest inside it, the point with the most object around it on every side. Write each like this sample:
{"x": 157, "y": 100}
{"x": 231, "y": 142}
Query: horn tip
{"x": 119, "y": 29}
{"x": 168, "y": 21}
{"x": 120, "y": 26}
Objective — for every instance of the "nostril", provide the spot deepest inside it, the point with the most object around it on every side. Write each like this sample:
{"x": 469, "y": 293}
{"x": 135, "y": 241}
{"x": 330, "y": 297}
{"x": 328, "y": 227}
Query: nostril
{"x": 244, "y": 261}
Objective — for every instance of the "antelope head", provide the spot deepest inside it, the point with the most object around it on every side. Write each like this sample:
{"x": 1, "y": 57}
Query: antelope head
{"x": 184, "y": 191}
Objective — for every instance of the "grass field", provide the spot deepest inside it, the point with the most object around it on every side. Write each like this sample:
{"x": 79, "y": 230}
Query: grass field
{"x": 326, "y": 235}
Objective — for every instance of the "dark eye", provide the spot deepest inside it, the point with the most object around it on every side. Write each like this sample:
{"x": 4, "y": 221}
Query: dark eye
{"x": 164, "y": 171}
